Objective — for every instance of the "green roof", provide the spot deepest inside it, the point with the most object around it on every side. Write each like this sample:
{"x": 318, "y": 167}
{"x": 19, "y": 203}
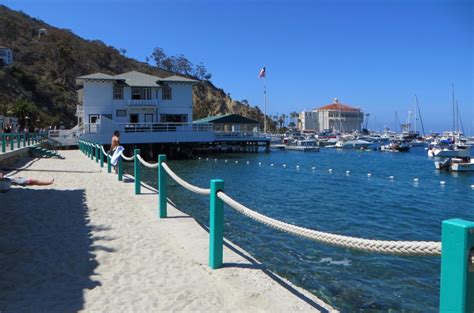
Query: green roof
{"x": 227, "y": 119}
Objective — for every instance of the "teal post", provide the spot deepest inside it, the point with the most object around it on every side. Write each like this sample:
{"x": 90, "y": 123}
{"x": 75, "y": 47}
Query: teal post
{"x": 109, "y": 166}
{"x": 29, "y": 138}
{"x": 162, "y": 187}
{"x": 18, "y": 141}
{"x": 101, "y": 154}
{"x": 120, "y": 169}
{"x": 457, "y": 266}
{"x": 91, "y": 152}
{"x": 216, "y": 225}
{"x": 23, "y": 139}
{"x": 12, "y": 142}
{"x": 136, "y": 170}
{"x": 4, "y": 144}
{"x": 96, "y": 150}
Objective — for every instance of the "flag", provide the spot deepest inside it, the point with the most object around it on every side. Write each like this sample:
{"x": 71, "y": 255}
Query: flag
{"x": 261, "y": 73}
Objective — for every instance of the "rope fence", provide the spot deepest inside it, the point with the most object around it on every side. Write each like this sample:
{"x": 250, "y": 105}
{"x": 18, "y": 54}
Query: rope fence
{"x": 456, "y": 247}
{"x": 367, "y": 245}
{"x": 185, "y": 184}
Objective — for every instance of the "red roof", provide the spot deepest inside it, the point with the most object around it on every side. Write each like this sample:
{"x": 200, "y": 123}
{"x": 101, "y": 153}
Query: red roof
{"x": 339, "y": 107}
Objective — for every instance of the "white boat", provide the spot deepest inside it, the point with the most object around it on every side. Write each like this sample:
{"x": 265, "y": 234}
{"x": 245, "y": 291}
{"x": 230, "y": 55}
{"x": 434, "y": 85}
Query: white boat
{"x": 353, "y": 144}
{"x": 455, "y": 151}
{"x": 463, "y": 166}
{"x": 303, "y": 145}
{"x": 396, "y": 146}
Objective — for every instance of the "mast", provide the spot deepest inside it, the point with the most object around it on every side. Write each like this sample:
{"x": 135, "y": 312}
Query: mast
{"x": 414, "y": 114}
{"x": 419, "y": 113}
{"x": 454, "y": 112}
{"x": 265, "y": 103}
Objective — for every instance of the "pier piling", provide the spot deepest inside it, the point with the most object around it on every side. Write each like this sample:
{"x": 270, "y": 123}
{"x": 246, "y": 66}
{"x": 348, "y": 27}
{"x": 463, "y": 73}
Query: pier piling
{"x": 457, "y": 266}
{"x": 216, "y": 225}
{"x": 162, "y": 187}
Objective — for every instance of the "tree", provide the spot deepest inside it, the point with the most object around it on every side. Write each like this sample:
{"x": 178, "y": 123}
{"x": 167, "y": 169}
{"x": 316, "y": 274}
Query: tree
{"x": 168, "y": 64}
{"x": 159, "y": 55}
{"x": 200, "y": 72}
{"x": 183, "y": 65}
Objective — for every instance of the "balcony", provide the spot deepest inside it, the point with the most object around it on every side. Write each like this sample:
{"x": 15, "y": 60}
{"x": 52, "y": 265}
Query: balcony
{"x": 142, "y": 103}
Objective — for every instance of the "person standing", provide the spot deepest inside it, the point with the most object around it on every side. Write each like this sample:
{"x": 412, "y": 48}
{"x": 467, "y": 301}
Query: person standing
{"x": 115, "y": 142}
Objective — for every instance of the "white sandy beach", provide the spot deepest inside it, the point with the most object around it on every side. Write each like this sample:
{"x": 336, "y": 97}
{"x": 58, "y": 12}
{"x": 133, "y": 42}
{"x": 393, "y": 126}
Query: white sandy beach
{"x": 88, "y": 244}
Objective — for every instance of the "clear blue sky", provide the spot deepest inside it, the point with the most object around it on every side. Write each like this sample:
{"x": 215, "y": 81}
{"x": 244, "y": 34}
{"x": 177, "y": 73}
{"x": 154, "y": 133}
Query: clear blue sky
{"x": 369, "y": 54}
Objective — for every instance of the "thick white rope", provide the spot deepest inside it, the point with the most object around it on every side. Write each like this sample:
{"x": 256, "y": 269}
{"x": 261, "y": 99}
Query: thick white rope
{"x": 381, "y": 246}
{"x": 103, "y": 151}
{"x": 146, "y": 164}
{"x": 127, "y": 158}
{"x": 185, "y": 184}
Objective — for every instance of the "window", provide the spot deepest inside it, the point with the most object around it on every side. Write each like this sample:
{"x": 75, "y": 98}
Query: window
{"x": 121, "y": 113}
{"x": 136, "y": 94}
{"x": 174, "y": 118}
{"x": 166, "y": 95}
{"x": 93, "y": 118}
{"x": 141, "y": 93}
{"x": 146, "y": 93}
{"x": 118, "y": 93}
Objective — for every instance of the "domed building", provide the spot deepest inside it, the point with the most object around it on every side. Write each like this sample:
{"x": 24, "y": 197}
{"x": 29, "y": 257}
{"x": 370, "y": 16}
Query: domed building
{"x": 336, "y": 117}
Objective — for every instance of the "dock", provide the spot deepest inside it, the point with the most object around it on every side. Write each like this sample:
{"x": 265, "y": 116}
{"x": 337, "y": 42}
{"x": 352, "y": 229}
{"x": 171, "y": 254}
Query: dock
{"x": 88, "y": 243}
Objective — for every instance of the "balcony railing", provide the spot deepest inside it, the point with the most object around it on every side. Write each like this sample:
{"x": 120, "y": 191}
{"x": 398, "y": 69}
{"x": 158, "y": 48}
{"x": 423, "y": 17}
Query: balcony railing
{"x": 140, "y": 102}
{"x": 164, "y": 127}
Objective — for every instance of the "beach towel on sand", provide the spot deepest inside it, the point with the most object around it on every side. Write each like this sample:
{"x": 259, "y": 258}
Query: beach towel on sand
{"x": 117, "y": 152}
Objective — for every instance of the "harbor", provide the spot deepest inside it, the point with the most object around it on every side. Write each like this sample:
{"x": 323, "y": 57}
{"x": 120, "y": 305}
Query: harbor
{"x": 183, "y": 162}
{"x": 356, "y": 193}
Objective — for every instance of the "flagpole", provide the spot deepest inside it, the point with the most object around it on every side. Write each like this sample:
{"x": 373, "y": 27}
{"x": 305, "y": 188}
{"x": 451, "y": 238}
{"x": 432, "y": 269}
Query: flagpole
{"x": 265, "y": 103}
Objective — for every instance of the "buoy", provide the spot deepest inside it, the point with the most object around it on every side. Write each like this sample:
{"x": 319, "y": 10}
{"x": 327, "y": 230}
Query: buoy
{"x": 215, "y": 160}
{"x": 284, "y": 165}
{"x": 348, "y": 172}
{"x": 225, "y": 161}
{"x": 259, "y": 163}
{"x": 330, "y": 170}
{"x": 199, "y": 158}
{"x": 313, "y": 168}
{"x": 248, "y": 162}
{"x": 368, "y": 175}
{"x": 391, "y": 177}
{"x": 442, "y": 182}
{"x": 236, "y": 162}
{"x": 207, "y": 159}
{"x": 415, "y": 180}
{"x": 472, "y": 186}
{"x": 271, "y": 164}
{"x": 297, "y": 167}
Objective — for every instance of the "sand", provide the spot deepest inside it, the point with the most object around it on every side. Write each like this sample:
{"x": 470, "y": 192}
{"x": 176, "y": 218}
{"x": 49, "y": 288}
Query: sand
{"x": 88, "y": 244}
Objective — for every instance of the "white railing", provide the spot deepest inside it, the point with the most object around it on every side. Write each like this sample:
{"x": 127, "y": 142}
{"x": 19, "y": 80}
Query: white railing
{"x": 140, "y": 102}
{"x": 239, "y": 135}
{"x": 164, "y": 127}
{"x": 92, "y": 128}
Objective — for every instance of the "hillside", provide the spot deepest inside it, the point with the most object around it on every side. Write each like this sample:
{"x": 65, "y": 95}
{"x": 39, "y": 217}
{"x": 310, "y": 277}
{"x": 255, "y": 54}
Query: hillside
{"x": 41, "y": 83}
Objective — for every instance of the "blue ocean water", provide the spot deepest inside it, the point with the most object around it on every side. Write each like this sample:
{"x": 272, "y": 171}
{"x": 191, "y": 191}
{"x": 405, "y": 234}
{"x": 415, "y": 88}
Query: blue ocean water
{"x": 354, "y": 204}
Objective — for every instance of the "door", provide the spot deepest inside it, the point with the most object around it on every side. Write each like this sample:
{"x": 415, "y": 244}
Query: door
{"x": 148, "y": 118}
{"x": 134, "y": 118}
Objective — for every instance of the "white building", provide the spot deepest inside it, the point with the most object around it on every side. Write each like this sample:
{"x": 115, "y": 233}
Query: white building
{"x": 309, "y": 121}
{"x": 6, "y": 56}
{"x": 144, "y": 109}
{"x": 135, "y": 97}
{"x": 336, "y": 117}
